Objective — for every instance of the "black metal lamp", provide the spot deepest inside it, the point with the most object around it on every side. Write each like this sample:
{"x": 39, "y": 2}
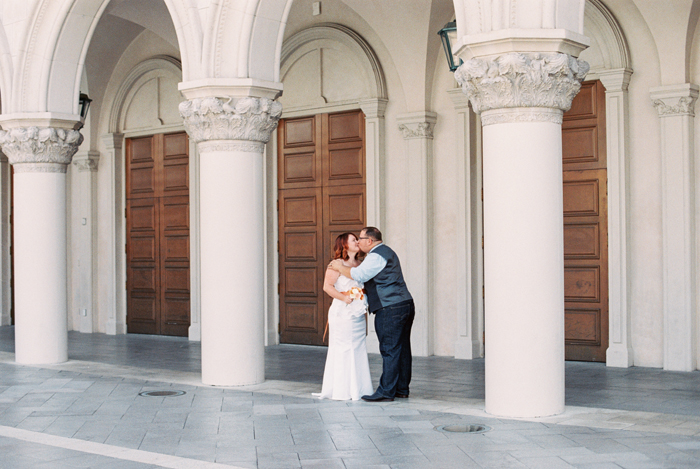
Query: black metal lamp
{"x": 84, "y": 102}
{"x": 448, "y": 34}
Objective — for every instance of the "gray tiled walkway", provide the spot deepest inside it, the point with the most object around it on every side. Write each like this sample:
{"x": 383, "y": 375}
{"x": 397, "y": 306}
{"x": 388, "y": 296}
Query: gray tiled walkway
{"x": 87, "y": 413}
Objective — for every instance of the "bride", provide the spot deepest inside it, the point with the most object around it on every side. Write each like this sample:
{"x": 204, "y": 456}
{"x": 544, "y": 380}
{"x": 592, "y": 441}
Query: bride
{"x": 346, "y": 375}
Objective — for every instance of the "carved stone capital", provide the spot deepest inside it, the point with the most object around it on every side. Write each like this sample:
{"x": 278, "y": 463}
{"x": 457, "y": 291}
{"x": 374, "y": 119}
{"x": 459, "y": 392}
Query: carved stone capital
{"x": 522, "y": 80}
{"x": 417, "y": 130}
{"x": 248, "y": 118}
{"x": 87, "y": 161}
{"x": 417, "y": 124}
{"x": 40, "y": 149}
{"x": 675, "y": 100}
{"x": 675, "y": 106}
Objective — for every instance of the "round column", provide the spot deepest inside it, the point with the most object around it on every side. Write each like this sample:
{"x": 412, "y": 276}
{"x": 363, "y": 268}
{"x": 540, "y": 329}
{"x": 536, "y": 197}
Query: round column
{"x": 521, "y": 98}
{"x": 230, "y": 136}
{"x": 40, "y": 157}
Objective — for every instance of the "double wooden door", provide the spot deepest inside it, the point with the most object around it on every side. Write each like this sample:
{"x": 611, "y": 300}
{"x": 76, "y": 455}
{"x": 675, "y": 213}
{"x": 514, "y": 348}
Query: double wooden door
{"x": 321, "y": 194}
{"x": 158, "y": 243}
{"x": 585, "y": 225}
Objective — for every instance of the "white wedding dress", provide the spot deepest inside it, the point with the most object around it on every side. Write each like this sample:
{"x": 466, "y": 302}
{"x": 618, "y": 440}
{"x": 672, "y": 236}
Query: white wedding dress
{"x": 346, "y": 375}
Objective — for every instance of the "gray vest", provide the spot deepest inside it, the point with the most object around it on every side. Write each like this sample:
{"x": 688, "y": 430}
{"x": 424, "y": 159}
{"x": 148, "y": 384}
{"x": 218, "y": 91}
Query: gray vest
{"x": 387, "y": 287}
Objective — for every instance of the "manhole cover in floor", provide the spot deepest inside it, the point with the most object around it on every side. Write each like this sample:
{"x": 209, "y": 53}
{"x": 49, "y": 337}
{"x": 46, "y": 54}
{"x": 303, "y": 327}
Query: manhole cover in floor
{"x": 475, "y": 428}
{"x": 161, "y": 393}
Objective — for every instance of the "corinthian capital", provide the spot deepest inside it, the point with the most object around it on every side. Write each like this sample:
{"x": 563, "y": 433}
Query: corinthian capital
{"x": 40, "y": 149}
{"x": 249, "y": 118}
{"x": 522, "y": 80}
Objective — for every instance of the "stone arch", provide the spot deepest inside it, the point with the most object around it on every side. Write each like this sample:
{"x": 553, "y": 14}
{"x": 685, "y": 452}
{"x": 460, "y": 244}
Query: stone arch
{"x": 607, "y": 38}
{"x": 143, "y": 73}
{"x": 331, "y": 35}
{"x": 56, "y": 46}
{"x": 254, "y": 29}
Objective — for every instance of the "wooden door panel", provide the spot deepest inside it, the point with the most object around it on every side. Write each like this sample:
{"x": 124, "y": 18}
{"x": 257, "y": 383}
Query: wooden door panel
{"x": 158, "y": 282}
{"x": 579, "y": 145}
{"x": 300, "y": 132}
{"x": 585, "y": 105}
{"x": 345, "y": 126}
{"x": 582, "y": 241}
{"x": 345, "y": 206}
{"x": 585, "y": 226}
{"x": 346, "y": 164}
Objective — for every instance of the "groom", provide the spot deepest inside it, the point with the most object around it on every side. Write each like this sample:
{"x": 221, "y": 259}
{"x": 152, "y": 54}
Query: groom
{"x": 393, "y": 306}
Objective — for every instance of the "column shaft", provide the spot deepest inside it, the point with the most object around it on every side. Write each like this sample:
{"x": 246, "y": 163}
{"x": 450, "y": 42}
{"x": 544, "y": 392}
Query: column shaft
{"x": 232, "y": 223}
{"x": 40, "y": 268}
{"x": 524, "y": 269}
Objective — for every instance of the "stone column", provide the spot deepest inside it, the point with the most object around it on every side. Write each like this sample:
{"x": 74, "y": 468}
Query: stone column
{"x": 230, "y": 134}
{"x": 417, "y": 130}
{"x": 40, "y": 156}
{"x": 675, "y": 105}
{"x": 86, "y": 181}
{"x": 521, "y": 98}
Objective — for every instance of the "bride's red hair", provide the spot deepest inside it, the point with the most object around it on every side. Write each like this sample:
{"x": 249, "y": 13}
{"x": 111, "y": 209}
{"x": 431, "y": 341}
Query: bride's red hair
{"x": 340, "y": 251}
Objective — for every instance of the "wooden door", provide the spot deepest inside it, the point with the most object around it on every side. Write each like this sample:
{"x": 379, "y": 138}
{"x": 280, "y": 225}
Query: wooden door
{"x": 321, "y": 195}
{"x": 157, "y": 246}
{"x": 585, "y": 225}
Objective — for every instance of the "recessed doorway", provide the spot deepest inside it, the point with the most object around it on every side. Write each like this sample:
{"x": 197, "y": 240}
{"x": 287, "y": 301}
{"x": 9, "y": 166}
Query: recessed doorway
{"x": 321, "y": 194}
{"x": 158, "y": 234}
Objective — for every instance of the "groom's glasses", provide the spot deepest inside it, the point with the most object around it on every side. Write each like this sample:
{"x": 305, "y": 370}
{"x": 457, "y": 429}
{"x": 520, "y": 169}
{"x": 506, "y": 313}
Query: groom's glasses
{"x": 361, "y": 237}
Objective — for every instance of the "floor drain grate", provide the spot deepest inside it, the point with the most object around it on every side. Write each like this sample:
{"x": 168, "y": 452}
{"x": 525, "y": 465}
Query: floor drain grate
{"x": 161, "y": 393}
{"x": 475, "y": 428}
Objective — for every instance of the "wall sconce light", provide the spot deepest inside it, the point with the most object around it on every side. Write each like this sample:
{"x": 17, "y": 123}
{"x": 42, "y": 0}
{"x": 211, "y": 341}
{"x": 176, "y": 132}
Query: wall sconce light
{"x": 448, "y": 34}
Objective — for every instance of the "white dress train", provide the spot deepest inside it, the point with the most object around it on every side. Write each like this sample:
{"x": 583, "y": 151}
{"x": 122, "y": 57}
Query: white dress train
{"x": 346, "y": 375}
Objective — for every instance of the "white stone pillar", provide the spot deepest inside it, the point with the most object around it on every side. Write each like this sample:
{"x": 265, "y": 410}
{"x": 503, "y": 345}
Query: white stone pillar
{"x": 86, "y": 180}
{"x": 675, "y": 105}
{"x": 521, "y": 98}
{"x": 5, "y": 236}
{"x": 469, "y": 256}
{"x": 417, "y": 130}
{"x": 112, "y": 265}
{"x": 620, "y": 352}
{"x": 230, "y": 134}
{"x": 40, "y": 157}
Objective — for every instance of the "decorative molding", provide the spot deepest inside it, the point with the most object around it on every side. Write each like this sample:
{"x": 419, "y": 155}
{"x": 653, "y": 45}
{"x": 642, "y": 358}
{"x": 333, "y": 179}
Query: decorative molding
{"x": 373, "y": 108}
{"x": 675, "y": 100}
{"x": 35, "y": 149}
{"x": 248, "y": 118}
{"x": 675, "y": 106}
{"x": 417, "y": 130}
{"x": 516, "y": 79}
{"x": 504, "y": 116}
{"x": 250, "y": 147}
{"x": 417, "y": 124}
{"x": 87, "y": 161}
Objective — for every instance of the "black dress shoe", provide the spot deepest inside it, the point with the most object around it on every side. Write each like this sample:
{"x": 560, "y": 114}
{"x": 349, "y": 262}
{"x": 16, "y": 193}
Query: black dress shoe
{"x": 377, "y": 398}
{"x": 401, "y": 396}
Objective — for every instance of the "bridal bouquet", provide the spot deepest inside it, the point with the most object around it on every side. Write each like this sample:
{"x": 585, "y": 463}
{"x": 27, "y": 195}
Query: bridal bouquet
{"x": 355, "y": 293}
